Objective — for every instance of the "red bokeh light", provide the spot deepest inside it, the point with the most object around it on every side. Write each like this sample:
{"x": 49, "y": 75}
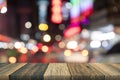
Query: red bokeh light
{"x": 23, "y": 58}
{"x": 56, "y": 18}
{"x": 87, "y": 13}
{"x": 56, "y": 2}
{"x": 72, "y": 31}
{"x": 56, "y": 11}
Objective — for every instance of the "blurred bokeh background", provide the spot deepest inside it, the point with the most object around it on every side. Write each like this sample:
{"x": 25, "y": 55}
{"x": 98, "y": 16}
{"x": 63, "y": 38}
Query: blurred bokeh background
{"x": 59, "y": 31}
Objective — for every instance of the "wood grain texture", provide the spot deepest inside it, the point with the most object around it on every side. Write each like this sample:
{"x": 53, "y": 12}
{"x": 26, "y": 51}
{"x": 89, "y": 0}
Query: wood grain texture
{"x": 84, "y": 72}
{"x": 8, "y": 69}
{"x": 31, "y": 71}
{"x": 110, "y": 71}
{"x": 57, "y": 71}
{"x": 2, "y": 65}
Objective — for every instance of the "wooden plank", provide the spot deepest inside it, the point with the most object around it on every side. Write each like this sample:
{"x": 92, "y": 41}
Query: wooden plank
{"x": 57, "y": 71}
{"x": 116, "y": 65}
{"x": 8, "y": 69}
{"x": 110, "y": 71}
{"x": 84, "y": 72}
{"x": 31, "y": 71}
{"x": 2, "y": 65}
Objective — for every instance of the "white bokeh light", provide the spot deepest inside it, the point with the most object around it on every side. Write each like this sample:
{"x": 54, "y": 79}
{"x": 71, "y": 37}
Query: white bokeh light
{"x": 95, "y": 44}
{"x": 3, "y": 10}
{"x": 17, "y": 45}
{"x": 47, "y": 38}
{"x": 28, "y": 25}
{"x": 72, "y": 44}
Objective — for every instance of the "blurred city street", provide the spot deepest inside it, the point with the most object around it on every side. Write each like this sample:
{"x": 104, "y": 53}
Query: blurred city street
{"x": 43, "y": 31}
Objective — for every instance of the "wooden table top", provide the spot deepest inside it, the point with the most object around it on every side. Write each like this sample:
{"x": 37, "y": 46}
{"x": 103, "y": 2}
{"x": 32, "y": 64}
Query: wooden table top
{"x": 59, "y": 71}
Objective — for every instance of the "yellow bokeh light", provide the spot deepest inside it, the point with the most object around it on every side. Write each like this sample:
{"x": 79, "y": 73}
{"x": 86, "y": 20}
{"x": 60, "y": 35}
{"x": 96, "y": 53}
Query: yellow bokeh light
{"x": 44, "y": 48}
{"x": 67, "y": 52}
{"x": 12, "y": 59}
{"x": 47, "y": 38}
{"x": 85, "y": 52}
{"x": 23, "y": 50}
{"x": 43, "y": 27}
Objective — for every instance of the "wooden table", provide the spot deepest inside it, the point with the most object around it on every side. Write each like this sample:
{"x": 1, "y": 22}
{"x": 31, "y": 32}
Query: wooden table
{"x": 59, "y": 71}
